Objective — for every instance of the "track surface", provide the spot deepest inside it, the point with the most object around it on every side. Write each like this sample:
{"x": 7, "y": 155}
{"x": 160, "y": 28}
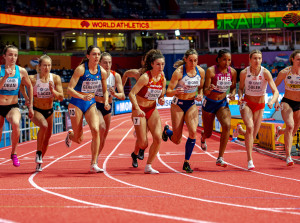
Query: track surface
{"x": 66, "y": 192}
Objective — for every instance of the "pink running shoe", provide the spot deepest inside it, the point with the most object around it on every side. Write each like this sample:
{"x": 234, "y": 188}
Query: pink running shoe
{"x": 15, "y": 160}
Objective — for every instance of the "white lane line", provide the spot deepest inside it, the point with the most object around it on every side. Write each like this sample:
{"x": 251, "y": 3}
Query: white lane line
{"x": 252, "y": 171}
{"x": 63, "y": 188}
{"x": 225, "y": 184}
{"x": 179, "y": 195}
{"x": 31, "y": 181}
{"x": 6, "y": 221}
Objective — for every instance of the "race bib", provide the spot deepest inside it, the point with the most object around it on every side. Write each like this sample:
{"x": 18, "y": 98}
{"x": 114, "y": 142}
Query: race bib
{"x": 90, "y": 86}
{"x": 153, "y": 94}
{"x": 136, "y": 120}
{"x": 11, "y": 84}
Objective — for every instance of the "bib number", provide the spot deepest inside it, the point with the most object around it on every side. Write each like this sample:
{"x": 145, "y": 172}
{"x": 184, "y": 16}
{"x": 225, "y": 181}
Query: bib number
{"x": 136, "y": 120}
{"x": 72, "y": 112}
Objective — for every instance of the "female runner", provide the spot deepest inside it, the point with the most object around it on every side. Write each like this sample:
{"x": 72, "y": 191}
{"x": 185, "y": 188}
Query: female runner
{"x": 254, "y": 80}
{"x": 290, "y": 103}
{"x": 149, "y": 87}
{"x": 186, "y": 81}
{"x": 113, "y": 81}
{"x": 11, "y": 77}
{"x": 218, "y": 80}
{"x": 46, "y": 88}
{"x": 82, "y": 87}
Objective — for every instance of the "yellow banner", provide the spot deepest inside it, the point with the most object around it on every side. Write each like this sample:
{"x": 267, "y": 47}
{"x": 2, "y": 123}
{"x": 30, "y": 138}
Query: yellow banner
{"x": 105, "y": 24}
{"x": 266, "y": 136}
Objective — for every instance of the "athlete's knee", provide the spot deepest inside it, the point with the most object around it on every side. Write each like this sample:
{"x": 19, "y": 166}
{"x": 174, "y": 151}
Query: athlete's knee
{"x": 250, "y": 128}
{"x": 157, "y": 138}
{"x": 44, "y": 125}
{"x": 176, "y": 140}
{"x": 289, "y": 127}
{"x": 226, "y": 127}
{"x": 94, "y": 130}
{"x": 143, "y": 144}
{"x": 192, "y": 135}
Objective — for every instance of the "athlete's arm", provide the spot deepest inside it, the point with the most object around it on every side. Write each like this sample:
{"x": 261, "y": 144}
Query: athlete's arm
{"x": 208, "y": 86}
{"x": 58, "y": 90}
{"x": 242, "y": 85}
{"x": 200, "y": 87}
{"x": 142, "y": 81}
{"x": 273, "y": 87}
{"x": 79, "y": 71}
{"x": 104, "y": 88}
{"x": 176, "y": 76}
{"x": 135, "y": 73}
{"x": 281, "y": 76}
{"x": 26, "y": 81}
{"x": 161, "y": 99}
{"x": 3, "y": 79}
{"x": 120, "y": 95}
{"x": 233, "y": 84}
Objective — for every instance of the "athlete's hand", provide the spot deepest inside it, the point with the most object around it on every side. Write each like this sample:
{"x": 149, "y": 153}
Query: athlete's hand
{"x": 241, "y": 100}
{"x": 112, "y": 91}
{"x": 277, "y": 106}
{"x": 30, "y": 112}
{"x": 161, "y": 101}
{"x": 270, "y": 104}
{"x": 199, "y": 97}
{"x": 107, "y": 106}
{"x": 8, "y": 71}
{"x": 212, "y": 87}
{"x": 179, "y": 90}
{"x": 140, "y": 113}
{"x": 231, "y": 97}
{"x": 88, "y": 97}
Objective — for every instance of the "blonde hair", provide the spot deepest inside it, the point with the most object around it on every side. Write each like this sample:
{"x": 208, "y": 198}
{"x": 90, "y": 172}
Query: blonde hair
{"x": 44, "y": 57}
{"x": 253, "y": 52}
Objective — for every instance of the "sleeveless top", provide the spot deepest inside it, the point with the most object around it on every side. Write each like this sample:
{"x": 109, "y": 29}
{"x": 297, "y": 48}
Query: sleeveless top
{"x": 255, "y": 85}
{"x": 88, "y": 83}
{"x": 42, "y": 90}
{"x": 292, "y": 81}
{"x": 12, "y": 84}
{"x": 110, "y": 81}
{"x": 189, "y": 84}
{"x": 153, "y": 89}
{"x": 222, "y": 81}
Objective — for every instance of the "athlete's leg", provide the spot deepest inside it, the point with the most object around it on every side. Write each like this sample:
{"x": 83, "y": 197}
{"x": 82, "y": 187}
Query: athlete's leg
{"x": 1, "y": 126}
{"x": 76, "y": 121}
{"x": 14, "y": 117}
{"x": 288, "y": 118}
{"x": 177, "y": 117}
{"x": 208, "y": 121}
{"x": 224, "y": 117}
{"x": 154, "y": 125}
{"x": 247, "y": 116}
{"x": 191, "y": 120}
{"x": 40, "y": 121}
{"x": 140, "y": 126}
{"x": 47, "y": 134}
{"x": 104, "y": 128}
{"x": 92, "y": 118}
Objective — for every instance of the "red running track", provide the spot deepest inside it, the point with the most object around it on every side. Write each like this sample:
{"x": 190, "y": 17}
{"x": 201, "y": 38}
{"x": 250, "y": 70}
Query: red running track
{"x": 66, "y": 192}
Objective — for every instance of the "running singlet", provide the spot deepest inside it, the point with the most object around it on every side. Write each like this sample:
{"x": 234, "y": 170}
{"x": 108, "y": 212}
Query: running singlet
{"x": 88, "y": 83}
{"x": 222, "y": 81}
{"x": 110, "y": 81}
{"x": 153, "y": 89}
{"x": 12, "y": 84}
{"x": 255, "y": 85}
{"x": 42, "y": 90}
{"x": 189, "y": 84}
{"x": 292, "y": 81}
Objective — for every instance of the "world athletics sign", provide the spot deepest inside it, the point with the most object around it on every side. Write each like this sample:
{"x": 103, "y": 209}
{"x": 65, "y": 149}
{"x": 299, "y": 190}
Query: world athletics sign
{"x": 258, "y": 20}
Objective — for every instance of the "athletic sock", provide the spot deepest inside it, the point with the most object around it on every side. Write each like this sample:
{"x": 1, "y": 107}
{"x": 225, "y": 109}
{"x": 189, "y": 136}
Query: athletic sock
{"x": 189, "y": 146}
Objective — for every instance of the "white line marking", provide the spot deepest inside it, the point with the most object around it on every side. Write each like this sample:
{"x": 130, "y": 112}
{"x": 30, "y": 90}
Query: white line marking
{"x": 6, "y": 221}
{"x": 63, "y": 188}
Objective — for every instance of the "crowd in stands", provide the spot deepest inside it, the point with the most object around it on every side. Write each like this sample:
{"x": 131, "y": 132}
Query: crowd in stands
{"x": 142, "y": 9}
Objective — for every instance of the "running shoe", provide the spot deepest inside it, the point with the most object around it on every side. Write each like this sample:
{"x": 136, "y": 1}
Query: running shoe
{"x": 68, "y": 141}
{"x": 239, "y": 128}
{"x": 203, "y": 145}
{"x": 250, "y": 165}
{"x": 289, "y": 161}
{"x": 150, "y": 170}
{"x": 38, "y": 157}
{"x": 187, "y": 167}
{"x": 96, "y": 169}
{"x": 38, "y": 168}
{"x": 134, "y": 160}
{"x": 221, "y": 162}
{"x": 15, "y": 160}
{"x": 277, "y": 133}
{"x": 164, "y": 134}
{"x": 140, "y": 156}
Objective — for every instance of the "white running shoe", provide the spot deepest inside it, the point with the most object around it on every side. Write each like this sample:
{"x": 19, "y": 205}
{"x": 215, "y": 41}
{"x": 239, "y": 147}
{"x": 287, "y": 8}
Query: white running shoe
{"x": 39, "y": 168}
{"x": 96, "y": 169}
{"x": 149, "y": 169}
{"x": 239, "y": 128}
{"x": 38, "y": 158}
{"x": 68, "y": 141}
{"x": 289, "y": 161}
{"x": 250, "y": 165}
{"x": 221, "y": 162}
{"x": 277, "y": 133}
